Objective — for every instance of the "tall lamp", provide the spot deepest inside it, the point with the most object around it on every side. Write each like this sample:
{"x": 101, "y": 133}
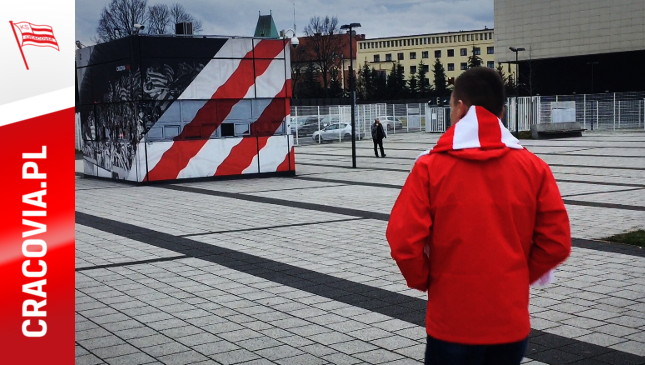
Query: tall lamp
{"x": 352, "y": 89}
{"x": 517, "y": 91}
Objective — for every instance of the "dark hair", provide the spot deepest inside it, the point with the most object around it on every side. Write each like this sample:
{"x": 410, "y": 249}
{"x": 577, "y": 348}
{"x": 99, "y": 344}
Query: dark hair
{"x": 483, "y": 87}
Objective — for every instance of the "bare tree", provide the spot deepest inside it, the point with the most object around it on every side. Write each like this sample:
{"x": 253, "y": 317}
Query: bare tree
{"x": 158, "y": 19}
{"x": 178, "y": 14}
{"x": 326, "y": 44}
{"x": 119, "y": 17}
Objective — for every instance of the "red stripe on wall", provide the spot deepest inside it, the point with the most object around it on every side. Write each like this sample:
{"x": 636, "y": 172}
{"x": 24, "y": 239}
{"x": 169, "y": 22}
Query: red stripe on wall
{"x": 241, "y": 156}
{"x": 490, "y": 133}
{"x": 175, "y": 159}
{"x": 287, "y": 164}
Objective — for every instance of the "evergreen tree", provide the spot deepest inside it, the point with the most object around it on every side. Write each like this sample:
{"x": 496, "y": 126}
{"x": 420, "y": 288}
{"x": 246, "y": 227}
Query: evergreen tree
{"x": 364, "y": 82}
{"x": 310, "y": 86}
{"x": 424, "y": 88}
{"x": 439, "y": 78}
{"x": 379, "y": 88}
{"x": 335, "y": 88}
{"x": 413, "y": 86}
{"x": 474, "y": 60}
{"x": 396, "y": 83}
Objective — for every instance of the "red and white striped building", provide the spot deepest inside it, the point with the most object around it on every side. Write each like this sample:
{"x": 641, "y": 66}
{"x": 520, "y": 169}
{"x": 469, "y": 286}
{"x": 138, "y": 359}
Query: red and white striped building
{"x": 167, "y": 108}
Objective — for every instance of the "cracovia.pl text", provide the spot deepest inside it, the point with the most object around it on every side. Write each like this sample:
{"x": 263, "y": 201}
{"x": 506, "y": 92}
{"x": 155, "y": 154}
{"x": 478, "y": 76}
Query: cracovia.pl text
{"x": 34, "y": 267}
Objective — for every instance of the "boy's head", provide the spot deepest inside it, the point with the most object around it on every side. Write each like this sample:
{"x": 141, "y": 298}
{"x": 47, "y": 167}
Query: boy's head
{"x": 480, "y": 86}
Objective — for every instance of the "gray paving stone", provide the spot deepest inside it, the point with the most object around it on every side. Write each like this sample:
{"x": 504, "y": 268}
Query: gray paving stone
{"x": 583, "y": 322}
{"x": 181, "y": 331}
{"x": 100, "y": 342}
{"x": 304, "y": 359}
{"x": 341, "y": 359}
{"x": 631, "y": 347}
{"x": 352, "y": 347}
{"x": 598, "y": 314}
{"x": 601, "y": 339}
{"x": 88, "y": 359}
{"x": 154, "y": 340}
{"x": 164, "y": 349}
{"x": 279, "y": 352}
{"x": 182, "y": 358}
{"x": 131, "y": 359}
{"x": 198, "y": 339}
{"x": 329, "y": 338}
{"x": 212, "y": 348}
{"x": 370, "y": 334}
{"x": 378, "y": 356}
{"x": 296, "y": 341}
{"x": 616, "y": 330}
{"x": 394, "y": 342}
{"x": 258, "y": 343}
{"x": 114, "y": 351}
{"x": 318, "y": 350}
{"x": 239, "y": 335}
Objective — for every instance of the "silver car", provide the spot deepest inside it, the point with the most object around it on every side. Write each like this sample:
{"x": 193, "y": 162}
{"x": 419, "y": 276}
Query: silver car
{"x": 335, "y": 132}
{"x": 391, "y": 123}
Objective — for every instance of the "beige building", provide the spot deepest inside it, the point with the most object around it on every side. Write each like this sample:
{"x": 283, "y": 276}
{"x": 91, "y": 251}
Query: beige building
{"x": 452, "y": 48}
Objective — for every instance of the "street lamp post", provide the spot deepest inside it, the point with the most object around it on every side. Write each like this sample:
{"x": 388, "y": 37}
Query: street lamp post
{"x": 352, "y": 89}
{"x": 517, "y": 91}
{"x": 592, "y": 64}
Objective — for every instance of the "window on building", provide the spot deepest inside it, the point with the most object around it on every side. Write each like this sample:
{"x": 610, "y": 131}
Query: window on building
{"x": 227, "y": 130}
{"x": 485, "y": 36}
{"x": 426, "y": 68}
{"x": 477, "y": 51}
{"x": 437, "y": 54}
{"x": 377, "y": 58}
{"x": 413, "y": 55}
{"x": 467, "y": 37}
{"x": 490, "y": 50}
{"x": 424, "y": 54}
{"x": 413, "y": 69}
{"x": 477, "y": 36}
{"x": 425, "y": 40}
{"x": 490, "y": 35}
{"x": 399, "y": 56}
{"x": 450, "y": 39}
{"x": 388, "y": 44}
{"x": 463, "y": 51}
{"x": 490, "y": 64}
{"x": 388, "y": 57}
{"x": 451, "y": 67}
{"x": 464, "y": 66}
{"x": 451, "y": 53}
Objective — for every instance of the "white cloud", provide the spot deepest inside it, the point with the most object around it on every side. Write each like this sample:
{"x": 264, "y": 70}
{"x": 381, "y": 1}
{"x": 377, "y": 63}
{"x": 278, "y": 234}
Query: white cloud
{"x": 379, "y": 18}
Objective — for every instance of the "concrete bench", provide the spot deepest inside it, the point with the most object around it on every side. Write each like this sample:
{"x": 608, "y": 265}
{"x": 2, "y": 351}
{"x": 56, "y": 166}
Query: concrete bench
{"x": 556, "y": 130}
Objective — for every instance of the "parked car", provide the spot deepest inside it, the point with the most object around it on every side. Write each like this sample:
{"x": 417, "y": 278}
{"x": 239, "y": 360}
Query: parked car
{"x": 334, "y": 132}
{"x": 306, "y": 125}
{"x": 391, "y": 123}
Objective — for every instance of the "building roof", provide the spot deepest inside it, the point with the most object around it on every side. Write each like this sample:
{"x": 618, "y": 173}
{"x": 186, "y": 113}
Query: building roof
{"x": 266, "y": 27}
{"x": 429, "y": 34}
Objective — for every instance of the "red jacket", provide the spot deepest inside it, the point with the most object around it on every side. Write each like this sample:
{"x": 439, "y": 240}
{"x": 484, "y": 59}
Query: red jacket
{"x": 491, "y": 220}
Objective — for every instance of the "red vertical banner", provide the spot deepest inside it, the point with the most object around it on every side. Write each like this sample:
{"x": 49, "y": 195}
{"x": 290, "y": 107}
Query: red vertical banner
{"x": 37, "y": 240}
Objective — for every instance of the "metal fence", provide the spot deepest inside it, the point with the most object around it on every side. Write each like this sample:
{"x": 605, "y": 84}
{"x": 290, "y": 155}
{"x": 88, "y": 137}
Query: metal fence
{"x": 397, "y": 118}
{"x": 606, "y": 111}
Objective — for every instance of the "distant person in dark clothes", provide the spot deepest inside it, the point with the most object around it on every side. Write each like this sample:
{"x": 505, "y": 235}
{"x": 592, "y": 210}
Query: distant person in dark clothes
{"x": 378, "y": 133}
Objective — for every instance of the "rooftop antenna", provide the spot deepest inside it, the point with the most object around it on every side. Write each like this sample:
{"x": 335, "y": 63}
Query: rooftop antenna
{"x": 294, "y": 17}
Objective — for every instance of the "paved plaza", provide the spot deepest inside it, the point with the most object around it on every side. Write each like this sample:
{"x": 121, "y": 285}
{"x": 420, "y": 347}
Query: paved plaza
{"x": 297, "y": 270}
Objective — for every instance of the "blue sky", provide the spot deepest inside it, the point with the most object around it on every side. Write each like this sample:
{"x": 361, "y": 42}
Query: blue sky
{"x": 379, "y": 18}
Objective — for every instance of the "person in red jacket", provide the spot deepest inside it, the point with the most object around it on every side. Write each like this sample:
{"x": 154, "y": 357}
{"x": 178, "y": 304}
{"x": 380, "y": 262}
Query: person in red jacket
{"x": 478, "y": 220}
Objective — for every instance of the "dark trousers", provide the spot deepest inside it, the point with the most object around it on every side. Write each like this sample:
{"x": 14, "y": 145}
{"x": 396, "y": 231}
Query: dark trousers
{"x": 449, "y": 353}
{"x": 378, "y": 142}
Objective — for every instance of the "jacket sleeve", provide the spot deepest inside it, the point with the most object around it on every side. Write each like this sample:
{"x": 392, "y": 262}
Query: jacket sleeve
{"x": 408, "y": 230}
{"x": 552, "y": 234}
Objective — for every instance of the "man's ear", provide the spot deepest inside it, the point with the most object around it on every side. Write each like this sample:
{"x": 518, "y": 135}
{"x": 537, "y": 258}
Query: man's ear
{"x": 462, "y": 108}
